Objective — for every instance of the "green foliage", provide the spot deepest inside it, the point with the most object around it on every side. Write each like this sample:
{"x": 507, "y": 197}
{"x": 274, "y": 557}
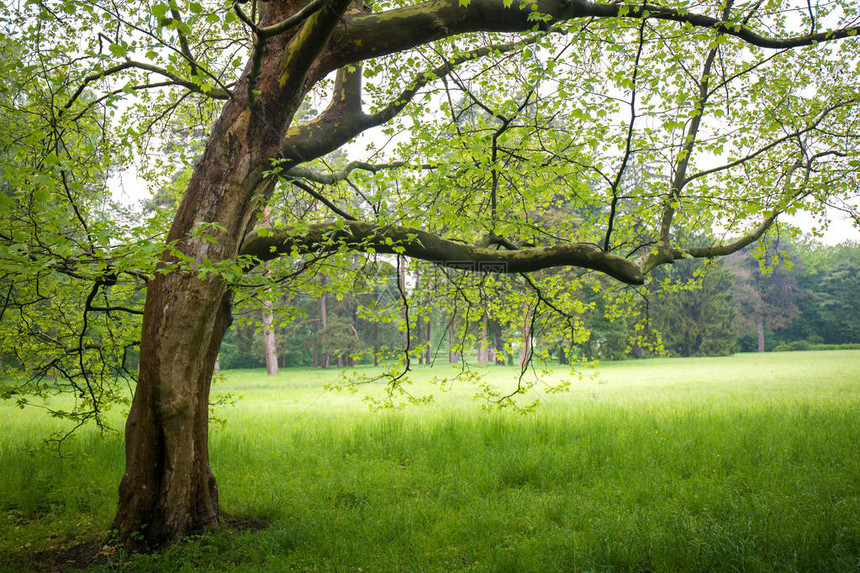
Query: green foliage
{"x": 693, "y": 309}
{"x": 820, "y": 292}
{"x": 71, "y": 267}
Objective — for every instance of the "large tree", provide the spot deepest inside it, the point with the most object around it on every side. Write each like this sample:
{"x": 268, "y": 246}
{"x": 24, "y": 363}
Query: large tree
{"x": 749, "y": 111}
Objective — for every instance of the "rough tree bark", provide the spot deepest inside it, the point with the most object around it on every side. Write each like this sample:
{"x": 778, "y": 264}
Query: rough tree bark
{"x": 168, "y": 490}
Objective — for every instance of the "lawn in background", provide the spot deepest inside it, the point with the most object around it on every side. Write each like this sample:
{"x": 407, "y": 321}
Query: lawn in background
{"x": 742, "y": 463}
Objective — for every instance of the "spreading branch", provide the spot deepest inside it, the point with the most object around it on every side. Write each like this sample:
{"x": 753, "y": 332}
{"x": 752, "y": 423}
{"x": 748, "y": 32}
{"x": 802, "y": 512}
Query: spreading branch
{"x": 214, "y": 93}
{"x": 419, "y": 244}
{"x": 343, "y": 120}
{"x": 378, "y": 34}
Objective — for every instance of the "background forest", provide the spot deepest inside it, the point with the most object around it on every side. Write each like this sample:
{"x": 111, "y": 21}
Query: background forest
{"x": 806, "y": 297}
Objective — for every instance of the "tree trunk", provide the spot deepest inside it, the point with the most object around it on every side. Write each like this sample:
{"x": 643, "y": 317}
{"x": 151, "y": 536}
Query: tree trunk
{"x": 168, "y": 490}
{"x": 429, "y": 345}
{"x": 453, "y": 356}
{"x": 404, "y": 309}
{"x": 759, "y": 327}
{"x": 269, "y": 343}
{"x": 376, "y": 343}
{"x": 483, "y": 345}
{"x": 419, "y": 322}
{"x": 526, "y": 348}
{"x": 324, "y": 357}
{"x": 352, "y": 308}
{"x": 498, "y": 343}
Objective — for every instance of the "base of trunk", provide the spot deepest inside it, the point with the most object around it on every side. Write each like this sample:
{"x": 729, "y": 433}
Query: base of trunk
{"x": 143, "y": 524}
{"x": 168, "y": 491}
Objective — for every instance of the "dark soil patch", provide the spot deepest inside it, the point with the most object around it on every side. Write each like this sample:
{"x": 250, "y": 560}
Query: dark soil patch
{"x": 81, "y": 556}
{"x": 243, "y": 524}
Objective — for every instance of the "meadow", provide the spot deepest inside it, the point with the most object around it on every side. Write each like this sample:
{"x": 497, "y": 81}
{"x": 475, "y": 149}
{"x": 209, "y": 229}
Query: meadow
{"x": 741, "y": 463}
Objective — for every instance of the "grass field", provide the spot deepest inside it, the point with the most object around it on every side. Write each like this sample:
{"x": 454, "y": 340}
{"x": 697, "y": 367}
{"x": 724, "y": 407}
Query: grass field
{"x": 743, "y": 463}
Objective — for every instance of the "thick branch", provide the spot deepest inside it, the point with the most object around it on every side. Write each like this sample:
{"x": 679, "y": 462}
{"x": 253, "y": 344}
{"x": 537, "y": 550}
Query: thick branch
{"x": 342, "y": 120}
{"x": 736, "y": 29}
{"x": 418, "y": 244}
{"x": 309, "y": 41}
{"x": 288, "y": 23}
{"x": 664, "y": 255}
{"x": 372, "y": 35}
{"x": 262, "y": 35}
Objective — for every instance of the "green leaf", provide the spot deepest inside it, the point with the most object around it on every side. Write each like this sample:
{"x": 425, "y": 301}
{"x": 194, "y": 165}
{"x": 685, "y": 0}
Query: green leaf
{"x": 118, "y": 50}
{"x": 159, "y": 10}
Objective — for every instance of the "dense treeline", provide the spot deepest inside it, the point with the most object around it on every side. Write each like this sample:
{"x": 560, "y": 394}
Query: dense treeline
{"x": 802, "y": 296}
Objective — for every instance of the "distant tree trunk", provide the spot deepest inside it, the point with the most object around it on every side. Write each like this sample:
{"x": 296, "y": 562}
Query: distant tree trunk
{"x": 376, "y": 343}
{"x": 427, "y": 338}
{"x": 341, "y": 354}
{"x": 759, "y": 327}
{"x": 291, "y": 302}
{"x": 419, "y": 323}
{"x": 419, "y": 329}
{"x": 269, "y": 343}
{"x": 315, "y": 351}
{"x": 483, "y": 346}
{"x": 526, "y": 348}
{"x": 352, "y": 308}
{"x": 453, "y": 356}
{"x": 498, "y": 343}
{"x": 404, "y": 313}
{"x": 324, "y": 358}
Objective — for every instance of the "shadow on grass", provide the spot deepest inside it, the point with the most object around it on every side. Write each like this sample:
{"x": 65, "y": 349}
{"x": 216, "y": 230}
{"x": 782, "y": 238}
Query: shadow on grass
{"x": 97, "y": 555}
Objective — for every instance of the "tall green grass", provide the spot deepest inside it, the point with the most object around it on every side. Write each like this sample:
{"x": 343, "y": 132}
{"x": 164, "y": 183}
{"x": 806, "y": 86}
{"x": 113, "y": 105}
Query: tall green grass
{"x": 743, "y": 463}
